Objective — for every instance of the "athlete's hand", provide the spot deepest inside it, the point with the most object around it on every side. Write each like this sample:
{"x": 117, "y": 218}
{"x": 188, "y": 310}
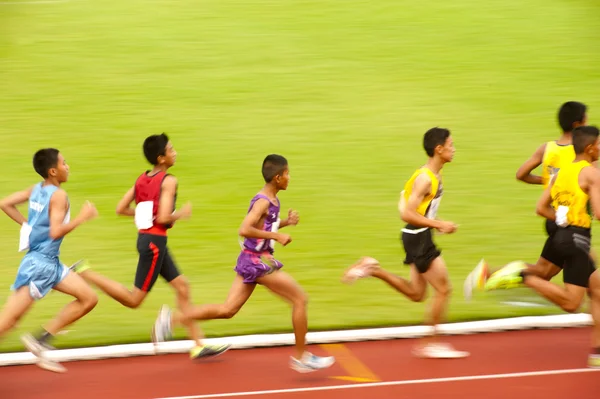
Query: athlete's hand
{"x": 88, "y": 211}
{"x": 447, "y": 227}
{"x": 283, "y": 239}
{"x": 293, "y": 217}
{"x": 186, "y": 210}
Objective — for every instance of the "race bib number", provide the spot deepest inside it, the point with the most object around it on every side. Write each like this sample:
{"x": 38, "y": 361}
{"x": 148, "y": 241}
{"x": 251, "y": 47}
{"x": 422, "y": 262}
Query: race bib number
{"x": 24, "y": 237}
{"x": 562, "y": 216}
{"x": 144, "y": 218}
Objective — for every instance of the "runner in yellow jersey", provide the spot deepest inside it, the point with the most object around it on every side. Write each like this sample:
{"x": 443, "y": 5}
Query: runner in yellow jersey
{"x": 418, "y": 207}
{"x": 551, "y": 155}
{"x": 571, "y": 200}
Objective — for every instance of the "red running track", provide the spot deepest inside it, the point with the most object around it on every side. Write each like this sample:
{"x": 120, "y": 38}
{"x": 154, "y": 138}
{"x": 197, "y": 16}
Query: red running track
{"x": 502, "y": 365}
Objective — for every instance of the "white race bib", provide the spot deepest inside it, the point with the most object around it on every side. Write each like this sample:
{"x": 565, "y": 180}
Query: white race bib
{"x": 433, "y": 208}
{"x": 67, "y": 218}
{"x": 144, "y": 218}
{"x": 274, "y": 229}
{"x": 561, "y": 216}
{"x": 24, "y": 237}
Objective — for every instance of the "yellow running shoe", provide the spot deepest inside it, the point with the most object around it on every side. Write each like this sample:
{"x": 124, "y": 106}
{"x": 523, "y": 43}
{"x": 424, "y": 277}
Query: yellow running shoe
{"x": 199, "y": 352}
{"x": 507, "y": 277}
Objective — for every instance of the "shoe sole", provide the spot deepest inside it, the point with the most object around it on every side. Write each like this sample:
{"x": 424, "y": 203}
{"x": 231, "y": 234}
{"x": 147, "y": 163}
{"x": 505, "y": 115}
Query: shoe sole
{"x": 52, "y": 366}
{"x": 456, "y": 355}
{"x": 209, "y": 356}
{"x": 305, "y": 370}
{"x": 31, "y": 346}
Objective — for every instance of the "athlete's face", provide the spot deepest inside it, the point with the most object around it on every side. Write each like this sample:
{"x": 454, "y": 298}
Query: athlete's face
{"x": 170, "y": 156}
{"x": 283, "y": 179}
{"x": 595, "y": 151}
{"x": 61, "y": 171}
{"x": 447, "y": 150}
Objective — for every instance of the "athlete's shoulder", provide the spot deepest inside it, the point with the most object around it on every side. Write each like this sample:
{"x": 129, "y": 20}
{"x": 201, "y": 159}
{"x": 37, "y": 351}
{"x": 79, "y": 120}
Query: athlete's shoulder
{"x": 541, "y": 150}
{"x": 59, "y": 195}
{"x": 260, "y": 203}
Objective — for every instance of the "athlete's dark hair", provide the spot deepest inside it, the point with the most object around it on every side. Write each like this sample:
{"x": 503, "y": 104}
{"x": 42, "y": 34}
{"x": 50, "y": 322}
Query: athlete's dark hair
{"x": 155, "y": 146}
{"x": 584, "y": 136}
{"x": 434, "y": 137}
{"x": 570, "y": 113}
{"x": 272, "y": 166}
{"x": 44, "y": 160}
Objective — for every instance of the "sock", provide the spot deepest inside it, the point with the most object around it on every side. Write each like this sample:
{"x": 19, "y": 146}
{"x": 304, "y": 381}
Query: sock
{"x": 45, "y": 336}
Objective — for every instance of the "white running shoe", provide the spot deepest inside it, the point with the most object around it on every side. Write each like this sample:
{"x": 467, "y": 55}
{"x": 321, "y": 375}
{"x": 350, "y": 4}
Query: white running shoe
{"x": 439, "y": 351}
{"x": 476, "y": 279}
{"x": 51, "y": 365}
{"x": 361, "y": 269}
{"x": 309, "y": 363}
{"x": 161, "y": 331}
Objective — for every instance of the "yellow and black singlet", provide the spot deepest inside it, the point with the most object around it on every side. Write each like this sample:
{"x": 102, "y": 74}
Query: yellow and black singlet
{"x": 568, "y": 199}
{"x": 430, "y": 204}
{"x": 555, "y": 156}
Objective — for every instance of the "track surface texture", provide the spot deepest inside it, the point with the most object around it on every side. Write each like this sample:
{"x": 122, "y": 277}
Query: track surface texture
{"x": 517, "y": 365}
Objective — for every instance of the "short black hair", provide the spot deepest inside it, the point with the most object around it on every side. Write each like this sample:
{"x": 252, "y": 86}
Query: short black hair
{"x": 584, "y": 136}
{"x": 44, "y": 160}
{"x": 155, "y": 146}
{"x": 434, "y": 137}
{"x": 272, "y": 166}
{"x": 570, "y": 113}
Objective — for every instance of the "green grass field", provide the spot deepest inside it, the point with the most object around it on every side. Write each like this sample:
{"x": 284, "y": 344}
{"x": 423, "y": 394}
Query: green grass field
{"x": 344, "y": 89}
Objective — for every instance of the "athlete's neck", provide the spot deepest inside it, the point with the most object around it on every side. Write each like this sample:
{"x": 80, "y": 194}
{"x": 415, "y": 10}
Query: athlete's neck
{"x": 270, "y": 190}
{"x": 158, "y": 169}
{"x": 51, "y": 181}
{"x": 435, "y": 164}
{"x": 566, "y": 138}
{"x": 583, "y": 157}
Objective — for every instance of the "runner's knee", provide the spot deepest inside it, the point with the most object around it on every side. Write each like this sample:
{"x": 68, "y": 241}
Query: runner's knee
{"x": 227, "y": 312}
{"x": 301, "y": 299}
{"x": 418, "y": 296}
{"x": 88, "y": 299}
{"x": 183, "y": 289}
{"x": 445, "y": 289}
{"x": 570, "y": 306}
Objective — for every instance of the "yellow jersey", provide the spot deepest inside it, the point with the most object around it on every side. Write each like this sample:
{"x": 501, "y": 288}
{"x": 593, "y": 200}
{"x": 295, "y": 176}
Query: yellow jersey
{"x": 568, "y": 199}
{"x": 555, "y": 156}
{"x": 429, "y": 206}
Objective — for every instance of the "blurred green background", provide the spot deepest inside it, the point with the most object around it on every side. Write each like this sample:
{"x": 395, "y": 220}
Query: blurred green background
{"x": 345, "y": 90}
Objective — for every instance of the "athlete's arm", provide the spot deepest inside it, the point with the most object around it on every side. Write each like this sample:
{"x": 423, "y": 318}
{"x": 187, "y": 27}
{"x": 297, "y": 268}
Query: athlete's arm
{"x": 124, "y": 206}
{"x": 421, "y": 187}
{"x": 248, "y": 228}
{"x": 9, "y": 205}
{"x": 58, "y": 210}
{"x": 524, "y": 172}
{"x": 593, "y": 178}
{"x": 165, "y": 214}
{"x": 401, "y": 204}
{"x": 544, "y": 204}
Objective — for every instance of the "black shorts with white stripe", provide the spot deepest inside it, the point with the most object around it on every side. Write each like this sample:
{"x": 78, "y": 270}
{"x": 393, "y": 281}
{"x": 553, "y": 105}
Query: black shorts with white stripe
{"x": 574, "y": 243}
